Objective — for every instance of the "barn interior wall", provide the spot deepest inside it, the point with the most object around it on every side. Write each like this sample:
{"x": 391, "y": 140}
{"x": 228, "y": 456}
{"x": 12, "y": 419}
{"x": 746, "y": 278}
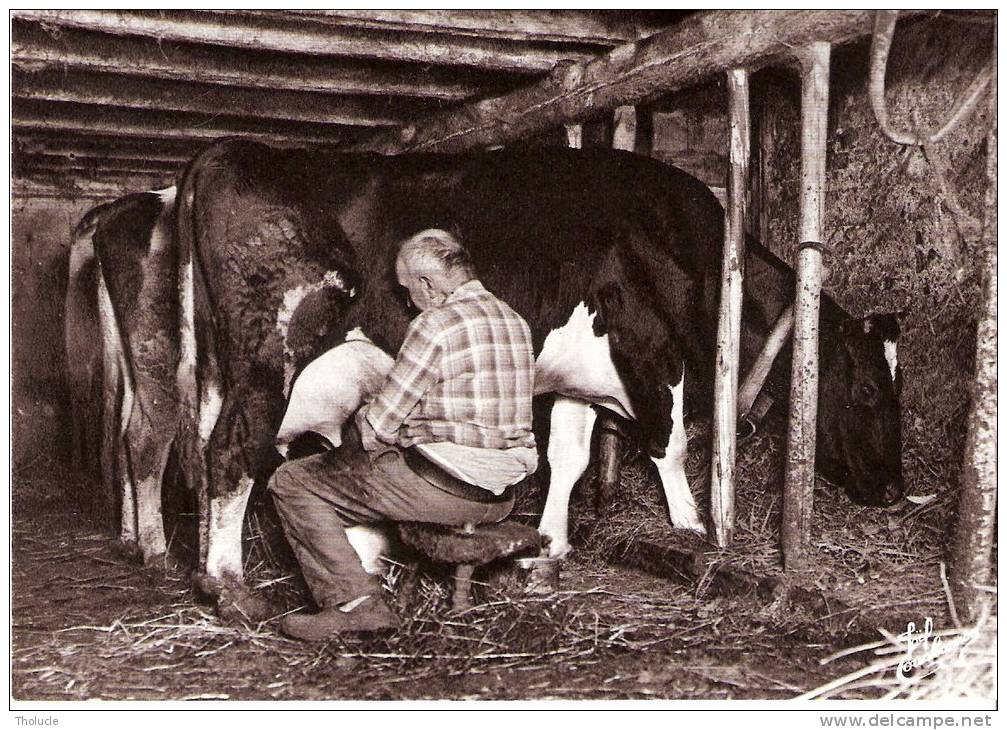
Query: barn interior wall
{"x": 691, "y": 132}
{"x": 43, "y": 216}
{"x": 900, "y": 241}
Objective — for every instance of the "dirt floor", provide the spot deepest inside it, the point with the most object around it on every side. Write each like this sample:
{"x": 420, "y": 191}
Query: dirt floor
{"x": 88, "y": 622}
{"x": 632, "y": 619}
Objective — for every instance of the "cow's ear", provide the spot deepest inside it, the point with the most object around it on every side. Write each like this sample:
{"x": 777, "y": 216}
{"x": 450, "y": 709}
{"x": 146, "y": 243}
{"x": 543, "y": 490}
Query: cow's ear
{"x": 886, "y": 326}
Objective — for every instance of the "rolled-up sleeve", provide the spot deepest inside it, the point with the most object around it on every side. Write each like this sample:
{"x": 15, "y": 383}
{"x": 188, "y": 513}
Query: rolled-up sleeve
{"x": 416, "y": 368}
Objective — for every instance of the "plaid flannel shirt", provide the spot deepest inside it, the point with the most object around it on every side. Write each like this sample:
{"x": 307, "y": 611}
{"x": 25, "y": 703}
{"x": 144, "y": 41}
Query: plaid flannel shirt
{"x": 465, "y": 374}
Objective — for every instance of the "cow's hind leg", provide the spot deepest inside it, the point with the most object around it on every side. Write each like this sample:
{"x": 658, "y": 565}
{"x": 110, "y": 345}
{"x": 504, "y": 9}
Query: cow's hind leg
{"x": 223, "y": 544}
{"x": 671, "y": 467}
{"x": 148, "y": 478}
{"x": 571, "y": 425}
{"x": 117, "y": 400}
{"x": 238, "y": 448}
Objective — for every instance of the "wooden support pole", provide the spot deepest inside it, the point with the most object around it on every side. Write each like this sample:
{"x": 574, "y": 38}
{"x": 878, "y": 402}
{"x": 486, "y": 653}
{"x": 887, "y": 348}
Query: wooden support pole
{"x": 975, "y": 532}
{"x": 624, "y": 128}
{"x": 799, "y": 485}
{"x": 725, "y": 385}
{"x": 756, "y": 378}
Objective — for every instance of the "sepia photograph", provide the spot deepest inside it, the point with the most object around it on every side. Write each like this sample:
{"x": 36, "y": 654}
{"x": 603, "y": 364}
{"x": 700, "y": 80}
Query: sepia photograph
{"x": 518, "y": 358}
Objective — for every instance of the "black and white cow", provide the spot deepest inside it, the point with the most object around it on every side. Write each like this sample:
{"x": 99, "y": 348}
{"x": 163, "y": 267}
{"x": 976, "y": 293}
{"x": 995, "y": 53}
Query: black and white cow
{"x": 121, "y": 337}
{"x": 612, "y": 258}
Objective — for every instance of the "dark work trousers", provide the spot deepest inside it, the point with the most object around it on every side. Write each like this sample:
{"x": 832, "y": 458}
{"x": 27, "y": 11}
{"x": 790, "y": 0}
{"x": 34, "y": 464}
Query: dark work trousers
{"x": 320, "y": 496}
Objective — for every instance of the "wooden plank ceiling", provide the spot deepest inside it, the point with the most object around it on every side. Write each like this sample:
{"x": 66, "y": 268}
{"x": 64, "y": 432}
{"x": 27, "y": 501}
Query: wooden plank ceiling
{"x": 105, "y": 92}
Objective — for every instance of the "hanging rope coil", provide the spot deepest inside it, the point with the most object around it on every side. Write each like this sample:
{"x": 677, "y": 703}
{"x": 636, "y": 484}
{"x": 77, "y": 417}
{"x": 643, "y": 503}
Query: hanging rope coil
{"x": 965, "y": 104}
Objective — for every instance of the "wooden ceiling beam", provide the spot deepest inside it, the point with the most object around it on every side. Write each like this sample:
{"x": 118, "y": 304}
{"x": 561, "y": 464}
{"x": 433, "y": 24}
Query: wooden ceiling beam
{"x": 92, "y": 184}
{"x": 54, "y": 163}
{"x": 558, "y": 26}
{"x": 703, "y": 44}
{"x": 288, "y": 35}
{"x": 34, "y": 48}
{"x": 145, "y": 93}
{"x": 63, "y": 144}
{"x": 85, "y": 119}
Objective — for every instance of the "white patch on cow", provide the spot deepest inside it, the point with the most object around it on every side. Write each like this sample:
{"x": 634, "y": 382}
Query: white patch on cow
{"x": 571, "y": 426}
{"x": 370, "y": 542}
{"x": 891, "y": 355}
{"x": 332, "y": 387}
{"x": 114, "y": 354}
{"x": 671, "y": 467}
{"x": 292, "y": 299}
{"x": 127, "y": 507}
{"x": 357, "y": 335}
{"x": 167, "y": 195}
{"x": 227, "y": 513}
{"x": 577, "y": 363}
{"x": 81, "y": 251}
{"x": 161, "y": 236}
{"x": 210, "y": 403}
{"x": 186, "y": 377}
{"x": 149, "y": 523}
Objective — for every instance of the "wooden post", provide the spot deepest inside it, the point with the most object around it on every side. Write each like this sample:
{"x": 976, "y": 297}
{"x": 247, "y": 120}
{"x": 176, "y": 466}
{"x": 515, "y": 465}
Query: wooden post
{"x": 972, "y": 545}
{"x": 798, "y": 490}
{"x": 725, "y": 386}
{"x": 756, "y": 378}
{"x": 624, "y": 130}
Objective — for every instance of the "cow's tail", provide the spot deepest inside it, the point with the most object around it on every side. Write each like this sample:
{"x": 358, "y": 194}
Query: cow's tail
{"x": 198, "y": 378}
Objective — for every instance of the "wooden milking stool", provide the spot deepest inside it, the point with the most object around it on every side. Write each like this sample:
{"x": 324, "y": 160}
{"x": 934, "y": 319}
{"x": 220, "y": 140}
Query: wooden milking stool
{"x": 468, "y": 548}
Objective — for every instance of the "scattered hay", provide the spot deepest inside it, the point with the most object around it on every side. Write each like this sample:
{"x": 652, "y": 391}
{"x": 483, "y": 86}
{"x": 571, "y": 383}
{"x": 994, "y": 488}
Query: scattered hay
{"x": 956, "y": 663}
{"x": 871, "y": 560}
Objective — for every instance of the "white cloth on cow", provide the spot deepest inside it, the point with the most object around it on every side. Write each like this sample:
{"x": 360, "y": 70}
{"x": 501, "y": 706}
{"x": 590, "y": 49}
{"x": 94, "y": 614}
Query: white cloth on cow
{"x": 331, "y": 388}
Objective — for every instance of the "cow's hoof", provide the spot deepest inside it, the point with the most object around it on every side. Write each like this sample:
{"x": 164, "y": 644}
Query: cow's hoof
{"x": 163, "y": 562}
{"x": 130, "y": 550}
{"x": 242, "y": 604}
{"x": 207, "y": 585}
{"x": 557, "y": 549}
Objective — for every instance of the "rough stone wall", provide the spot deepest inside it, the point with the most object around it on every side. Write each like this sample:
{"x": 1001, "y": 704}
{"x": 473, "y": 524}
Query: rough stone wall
{"x": 899, "y": 244}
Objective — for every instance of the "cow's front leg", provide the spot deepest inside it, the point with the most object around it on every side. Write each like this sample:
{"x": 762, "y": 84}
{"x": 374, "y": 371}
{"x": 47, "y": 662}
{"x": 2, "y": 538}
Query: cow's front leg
{"x": 571, "y": 425}
{"x": 671, "y": 467}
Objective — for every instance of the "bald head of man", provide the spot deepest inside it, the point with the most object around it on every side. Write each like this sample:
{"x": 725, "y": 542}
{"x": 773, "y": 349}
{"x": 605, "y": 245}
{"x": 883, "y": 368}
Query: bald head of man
{"x": 431, "y": 265}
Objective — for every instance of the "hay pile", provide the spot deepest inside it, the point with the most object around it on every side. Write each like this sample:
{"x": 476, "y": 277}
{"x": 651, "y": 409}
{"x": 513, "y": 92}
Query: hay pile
{"x": 870, "y": 560}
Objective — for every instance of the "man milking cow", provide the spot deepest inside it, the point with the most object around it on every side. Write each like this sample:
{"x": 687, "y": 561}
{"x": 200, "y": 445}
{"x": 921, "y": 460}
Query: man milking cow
{"x": 443, "y": 441}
